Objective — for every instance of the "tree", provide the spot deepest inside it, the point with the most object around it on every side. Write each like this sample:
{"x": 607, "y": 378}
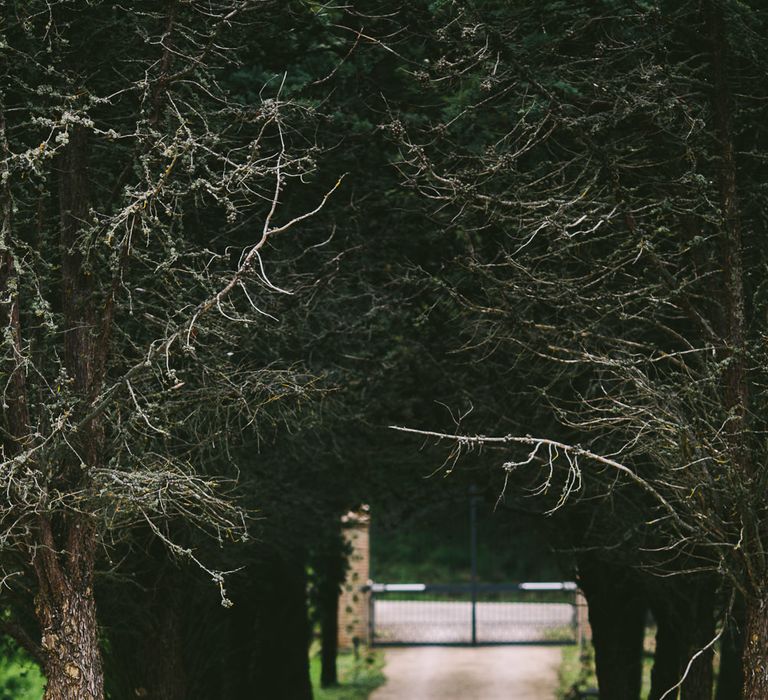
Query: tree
{"x": 131, "y": 183}
{"x": 603, "y": 164}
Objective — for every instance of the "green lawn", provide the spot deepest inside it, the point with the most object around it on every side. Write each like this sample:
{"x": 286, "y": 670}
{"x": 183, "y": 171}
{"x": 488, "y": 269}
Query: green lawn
{"x": 358, "y": 678}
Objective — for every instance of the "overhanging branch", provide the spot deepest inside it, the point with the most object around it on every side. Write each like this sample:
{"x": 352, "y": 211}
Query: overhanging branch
{"x": 573, "y": 450}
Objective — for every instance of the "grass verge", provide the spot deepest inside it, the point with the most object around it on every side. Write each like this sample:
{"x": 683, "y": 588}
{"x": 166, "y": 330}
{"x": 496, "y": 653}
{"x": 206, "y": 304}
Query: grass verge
{"x": 358, "y": 678}
{"x": 575, "y": 671}
{"x": 580, "y": 672}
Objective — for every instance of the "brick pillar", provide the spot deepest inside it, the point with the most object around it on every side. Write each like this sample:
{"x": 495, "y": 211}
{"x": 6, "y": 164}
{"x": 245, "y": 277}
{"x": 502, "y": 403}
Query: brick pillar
{"x": 354, "y": 602}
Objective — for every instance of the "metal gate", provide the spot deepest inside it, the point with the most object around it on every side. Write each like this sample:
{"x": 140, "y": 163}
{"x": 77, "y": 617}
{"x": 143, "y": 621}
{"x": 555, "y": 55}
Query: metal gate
{"x": 408, "y": 614}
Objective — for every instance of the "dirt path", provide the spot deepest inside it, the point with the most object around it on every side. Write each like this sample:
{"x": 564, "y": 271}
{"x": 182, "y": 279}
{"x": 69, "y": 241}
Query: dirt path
{"x": 467, "y": 673}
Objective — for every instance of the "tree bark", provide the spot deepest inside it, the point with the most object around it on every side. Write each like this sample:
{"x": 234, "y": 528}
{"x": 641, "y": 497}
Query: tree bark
{"x": 65, "y": 553}
{"x": 237, "y": 675}
{"x": 700, "y": 627}
{"x": 730, "y": 680}
{"x": 329, "y": 564}
{"x": 736, "y": 391}
{"x": 617, "y": 614}
{"x": 667, "y": 660}
{"x": 755, "y": 654}
{"x": 176, "y": 646}
{"x": 332, "y": 569}
{"x": 329, "y": 627}
{"x": 66, "y": 611}
{"x": 65, "y": 606}
{"x": 163, "y": 653}
{"x": 281, "y": 647}
{"x": 683, "y": 608}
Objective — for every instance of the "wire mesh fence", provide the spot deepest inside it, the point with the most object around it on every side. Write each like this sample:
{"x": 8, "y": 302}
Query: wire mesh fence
{"x": 410, "y": 614}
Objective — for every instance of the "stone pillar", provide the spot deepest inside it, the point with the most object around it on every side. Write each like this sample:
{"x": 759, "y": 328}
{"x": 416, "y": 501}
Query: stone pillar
{"x": 354, "y": 602}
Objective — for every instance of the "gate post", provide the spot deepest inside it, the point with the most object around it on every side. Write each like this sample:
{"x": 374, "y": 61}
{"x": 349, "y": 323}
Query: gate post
{"x": 581, "y": 613}
{"x": 371, "y": 615}
{"x": 354, "y": 607}
{"x": 473, "y": 499}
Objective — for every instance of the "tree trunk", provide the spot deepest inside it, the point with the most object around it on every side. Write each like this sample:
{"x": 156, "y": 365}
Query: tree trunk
{"x": 736, "y": 390}
{"x": 752, "y": 512}
{"x": 755, "y": 655}
{"x": 65, "y": 554}
{"x": 329, "y": 626}
{"x": 667, "y": 660}
{"x": 281, "y": 647}
{"x": 329, "y": 563}
{"x": 730, "y": 680}
{"x": 684, "y": 611}
{"x": 164, "y": 652}
{"x": 700, "y": 626}
{"x": 617, "y": 614}
{"x": 240, "y": 636}
{"x": 66, "y": 611}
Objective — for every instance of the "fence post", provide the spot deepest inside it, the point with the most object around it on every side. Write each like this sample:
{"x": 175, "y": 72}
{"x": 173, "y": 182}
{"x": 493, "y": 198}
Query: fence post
{"x": 473, "y": 498}
{"x": 583, "y": 629}
{"x": 576, "y": 621}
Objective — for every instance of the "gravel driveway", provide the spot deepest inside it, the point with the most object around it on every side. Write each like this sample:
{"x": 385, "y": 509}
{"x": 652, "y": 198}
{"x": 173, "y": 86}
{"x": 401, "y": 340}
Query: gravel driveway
{"x": 470, "y": 673}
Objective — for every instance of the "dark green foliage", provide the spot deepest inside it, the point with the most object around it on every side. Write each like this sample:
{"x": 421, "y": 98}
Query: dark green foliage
{"x": 581, "y": 161}
{"x": 431, "y": 543}
{"x": 20, "y": 678}
{"x": 532, "y": 236}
